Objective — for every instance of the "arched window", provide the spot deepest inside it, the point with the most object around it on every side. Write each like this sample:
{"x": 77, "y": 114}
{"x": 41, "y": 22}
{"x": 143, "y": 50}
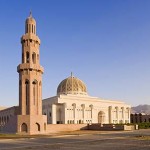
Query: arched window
{"x": 27, "y": 91}
{"x": 26, "y": 28}
{"x": 38, "y": 127}
{"x": 7, "y": 118}
{"x": 22, "y": 58}
{"x": 34, "y": 91}
{"x": 27, "y": 57}
{"x": 32, "y": 28}
{"x": 44, "y": 126}
{"x": 34, "y": 58}
{"x": 24, "y": 127}
{"x": 40, "y": 89}
{"x": 101, "y": 117}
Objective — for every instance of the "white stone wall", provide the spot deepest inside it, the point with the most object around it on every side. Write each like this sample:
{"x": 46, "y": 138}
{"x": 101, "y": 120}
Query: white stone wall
{"x": 47, "y": 106}
{"x": 76, "y": 109}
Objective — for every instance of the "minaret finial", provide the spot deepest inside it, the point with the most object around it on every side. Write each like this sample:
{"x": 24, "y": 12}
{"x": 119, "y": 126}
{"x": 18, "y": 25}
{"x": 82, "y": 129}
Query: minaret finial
{"x": 30, "y": 15}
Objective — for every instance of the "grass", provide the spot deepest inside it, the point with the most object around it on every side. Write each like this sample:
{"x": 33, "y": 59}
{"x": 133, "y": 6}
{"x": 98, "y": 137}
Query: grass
{"x": 79, "y": 132}
{"x": 17, "y": 136}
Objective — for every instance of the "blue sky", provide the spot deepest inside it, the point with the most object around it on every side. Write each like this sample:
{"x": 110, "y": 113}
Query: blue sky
{"x": 105, "y": 43}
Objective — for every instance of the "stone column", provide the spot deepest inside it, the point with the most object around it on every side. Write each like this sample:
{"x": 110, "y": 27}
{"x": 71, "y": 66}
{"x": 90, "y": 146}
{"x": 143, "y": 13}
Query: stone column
{"x": 129, "y": 109}
{"x": 110, "y": 114}
{"x": 123, "y": 115}
{"x": 74, "y": 113}
{"x": 65, "y": 117}
{"x": 117, "y": 113}
{"x": 53, "y": 114}
{"x": 91, "y": 106}
{"x": 83, "y": 112}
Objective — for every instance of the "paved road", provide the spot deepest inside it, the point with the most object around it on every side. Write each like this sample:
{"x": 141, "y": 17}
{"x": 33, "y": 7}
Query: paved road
{"x": 99, "y": 141}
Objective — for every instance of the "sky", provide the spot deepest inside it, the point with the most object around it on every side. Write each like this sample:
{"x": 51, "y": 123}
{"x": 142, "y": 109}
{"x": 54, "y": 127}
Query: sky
{"x": 105, "y": 43}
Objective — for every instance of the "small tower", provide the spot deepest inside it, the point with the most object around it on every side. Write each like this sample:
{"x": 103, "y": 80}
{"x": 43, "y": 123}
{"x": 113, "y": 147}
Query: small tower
{"x": 30, "y": 82}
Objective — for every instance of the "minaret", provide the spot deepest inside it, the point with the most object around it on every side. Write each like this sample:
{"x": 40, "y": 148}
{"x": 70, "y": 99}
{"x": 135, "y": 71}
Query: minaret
{"x": 30, "y": 71}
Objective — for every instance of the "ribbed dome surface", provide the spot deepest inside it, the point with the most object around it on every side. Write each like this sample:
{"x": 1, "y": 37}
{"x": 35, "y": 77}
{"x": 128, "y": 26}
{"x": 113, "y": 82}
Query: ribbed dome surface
{"x": 30, "y": 19}
{"x": 72, "y": 85}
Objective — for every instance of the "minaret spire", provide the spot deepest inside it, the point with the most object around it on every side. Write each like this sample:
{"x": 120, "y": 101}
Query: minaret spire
{"x": 30, "y": 15}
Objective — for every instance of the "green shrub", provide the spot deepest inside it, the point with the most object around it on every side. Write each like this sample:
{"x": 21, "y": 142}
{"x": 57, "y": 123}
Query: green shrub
{"x": 144, "y": 125}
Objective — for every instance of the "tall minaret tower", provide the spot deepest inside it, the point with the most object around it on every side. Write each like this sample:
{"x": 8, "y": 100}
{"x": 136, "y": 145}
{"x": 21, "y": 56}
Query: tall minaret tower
{"x": 30, "y": 72}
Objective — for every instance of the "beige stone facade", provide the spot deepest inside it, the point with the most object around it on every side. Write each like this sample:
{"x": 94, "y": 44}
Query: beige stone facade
{"x": 72, "y": 106}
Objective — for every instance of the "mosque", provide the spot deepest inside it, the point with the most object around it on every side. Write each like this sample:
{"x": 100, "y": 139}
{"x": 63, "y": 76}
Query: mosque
{"x": 71, "y": 106}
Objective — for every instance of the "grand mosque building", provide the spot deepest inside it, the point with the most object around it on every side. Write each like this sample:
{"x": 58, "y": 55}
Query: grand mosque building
{"x": 71, "y": 106}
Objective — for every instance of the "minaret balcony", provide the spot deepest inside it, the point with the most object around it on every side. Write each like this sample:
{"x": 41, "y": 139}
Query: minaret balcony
{"x": 30, "y": 36}
{"x": 26, "y": 66}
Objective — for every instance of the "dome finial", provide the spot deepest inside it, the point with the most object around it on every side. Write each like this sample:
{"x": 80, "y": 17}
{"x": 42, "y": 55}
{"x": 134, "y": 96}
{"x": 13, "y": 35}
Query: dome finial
{"x": 71, "y": 74}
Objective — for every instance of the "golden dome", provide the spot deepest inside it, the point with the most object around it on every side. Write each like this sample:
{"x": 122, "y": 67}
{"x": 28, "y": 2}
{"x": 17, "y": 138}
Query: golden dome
{"x": 72, "y": 85}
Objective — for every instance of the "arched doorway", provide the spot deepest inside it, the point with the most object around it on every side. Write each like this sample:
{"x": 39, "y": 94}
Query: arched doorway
{"x": 101, "y": 117}
{"x": 37, "y": 127}
{"x": 24, "y": 127}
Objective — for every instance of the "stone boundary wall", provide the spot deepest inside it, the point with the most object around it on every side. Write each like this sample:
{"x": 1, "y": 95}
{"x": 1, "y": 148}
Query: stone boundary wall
{"x": 10, "y": 126}
{"x": 111, "y": 127}
{"x": 53, "y": 128}
{"x": 130, "y": 127}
